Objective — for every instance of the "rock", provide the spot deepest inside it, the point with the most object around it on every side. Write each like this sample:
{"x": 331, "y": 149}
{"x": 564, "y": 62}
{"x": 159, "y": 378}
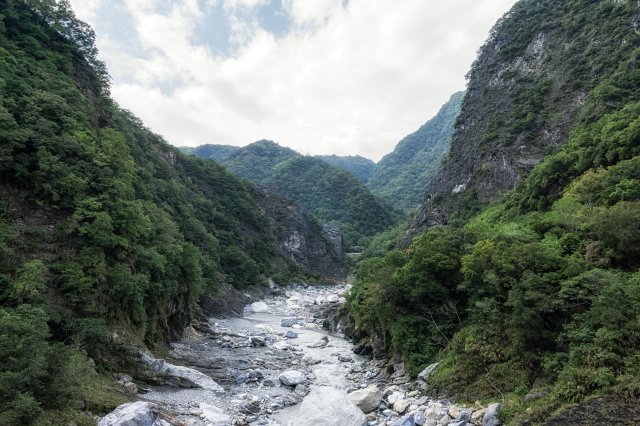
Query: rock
{"x": 320, "y": 343}
{"x": 419, "y": 418}
{"x": 301, "y": 390}
{"x": 291, "y": 335}
{"x": 130, "y": 388}
{"x": 259, "y": 308}
{"x": 214, "y": 416}
{"x": 463, "y": 415}
{"x": 457, "y": 423}
{"x": 257, "y": 341}
{"x": 280, "y": 345}
{"x": 401, "y": 406}
{"x": 367, "y": 399}
{"x": 444, "y": 420}
{"x": 345, "y": 358}
{"x": 406, "y": 421}
{"x": 422, "y": 400}
{"x": 454, "y": 412}
{"x": 428, "y": 371}
{"x": 288, "y": 321}
{"x": 476, "y": 416}
{"x": 241, "y": 378}
{"x": 139, "y": 413}
{"x": 292, "y": 378}
{"x": 309, "y": 360}
{"x": 328, "y": 406}
{"x": 332, "y": 298}
{"x": 535, "y": 394}
{"x": 395, "y": 397}
{"x": 491, "y": 415}
{"x": 190, "y": 375}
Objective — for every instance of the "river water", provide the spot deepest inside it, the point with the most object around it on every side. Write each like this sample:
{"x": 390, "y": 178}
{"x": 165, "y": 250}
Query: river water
{"x": 231, "y": 351}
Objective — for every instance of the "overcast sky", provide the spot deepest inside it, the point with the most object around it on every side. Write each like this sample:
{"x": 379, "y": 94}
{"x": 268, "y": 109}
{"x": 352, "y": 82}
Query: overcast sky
{"x": 346, "y": 77}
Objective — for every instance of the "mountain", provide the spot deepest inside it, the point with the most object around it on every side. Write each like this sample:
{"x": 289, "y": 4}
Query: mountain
{"x": 328, "y": 192}
{"x": 111, "y": 239}
{"x": 214, "y": 152}
{"x": 522, "y": 277}
{"x": 402, "y": 176}
{"x": 360, "y": 167}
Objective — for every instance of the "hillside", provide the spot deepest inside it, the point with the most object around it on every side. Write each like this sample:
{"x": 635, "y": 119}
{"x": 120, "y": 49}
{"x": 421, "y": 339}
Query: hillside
{"x": 110, "y": 238}
{"x": 402, "y": 176}
{"x": 530, "y": 296}
{"x": 328, "y": 192}
{"x": 360, "y": 167}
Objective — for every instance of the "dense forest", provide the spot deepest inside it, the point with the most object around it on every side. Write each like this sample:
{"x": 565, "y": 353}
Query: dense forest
{"x": 532, "y": 296}
{"x": 330, "y": 193}
{"x": 108, "y": 235}
{"x": 402, "y": 175}
{"x": 360, "y": 167}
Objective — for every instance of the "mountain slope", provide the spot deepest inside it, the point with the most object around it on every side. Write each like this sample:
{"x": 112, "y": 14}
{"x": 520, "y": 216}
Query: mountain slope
{"x": 109, "y": 237}
{"x": 402, "y": 176}
{"x": 525, "y": 94}
{"x": 330, "y": 193}
{"x": 533, "y": 299}
{"x": 360, "y": 167}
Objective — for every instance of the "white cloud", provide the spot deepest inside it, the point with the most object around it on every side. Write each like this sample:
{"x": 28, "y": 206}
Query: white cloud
{"x": 243, "y": 4}
{"x": 348, "y": 79}
{"x": 86, "y": 10}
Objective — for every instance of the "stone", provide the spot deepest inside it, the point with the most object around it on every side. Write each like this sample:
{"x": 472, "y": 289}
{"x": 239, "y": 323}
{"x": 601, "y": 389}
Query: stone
{"x": 367, "y": 399}
{"x": 535, "y": 394}
{"x": 130, "y": 388}
{"x": 428, "y": 371}
{"x": 139, "y": 413}
{"x": 319, "y": 343}
{"x": 257, "y": 341}
{"x": 345, "y": 358}
{"x": 422, "y": 400}
{"x": 241, "y": 378}
{"x": 301, "y": 390}
{"x": 184, "y": 374}
{"x": 405, "y": 421}
{"x": 477, "y": 415}
{"x": 454, "y": 412}
{"x": 401, "y": 406}
{"x": 444, "y": 420}
{"x": 463, "y": 415}
{"x": 288, "y": 321}
{"x": 291, "y": 335}
{"x": 491, "y": 415}
{"x": 419, "y": 418}
{"x": 328, "y": 406}
{"x": 457, "y": 423}
{"x": 292, "y": 378}
{"x": 214, "y": 416}
{"x": 395, "y": 397}
{"x": 332, "y": 298}
{"x": 309, "y": 360}
{"x": 259, "y": 308}
{"x": 281, "y": 345}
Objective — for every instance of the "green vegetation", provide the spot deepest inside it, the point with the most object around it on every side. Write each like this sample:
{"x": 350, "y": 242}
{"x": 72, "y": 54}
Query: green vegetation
{"x": 103, "y": 225}
{"x": 360, "y": 167}
{"x": 330, "y": 193}
{"x": 540, "y": 289}
{"x": 401, "y": 177}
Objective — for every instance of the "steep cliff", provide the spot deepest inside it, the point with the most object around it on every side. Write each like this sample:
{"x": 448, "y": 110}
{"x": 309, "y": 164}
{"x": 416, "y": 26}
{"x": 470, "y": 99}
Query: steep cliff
{"x": 530, "y": 85}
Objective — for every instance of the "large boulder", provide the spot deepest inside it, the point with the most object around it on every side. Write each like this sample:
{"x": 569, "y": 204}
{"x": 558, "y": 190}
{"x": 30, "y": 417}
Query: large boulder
{"x": 288, "y": 321}
{"x": 292, "y": 378}
{"x": 259, "y": 308}
{"x": 185, "y": 376}
{"x": 367, "y": 399}
{"x": 139, "y": 413}
{"x": 428, "y": 371}
{"x": 491, "y": 415}
{"x": 214, "y": 416}
{"x": 328, "y": 406}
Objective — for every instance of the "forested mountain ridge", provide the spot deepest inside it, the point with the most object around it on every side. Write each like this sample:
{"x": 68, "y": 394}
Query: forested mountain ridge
{"x": 402, "y": 175}
{"x": 360, "y": 167}
{"x": 328, "y": 192}
{"x": 110, "y": 237}
{"x": 530, "y": 297}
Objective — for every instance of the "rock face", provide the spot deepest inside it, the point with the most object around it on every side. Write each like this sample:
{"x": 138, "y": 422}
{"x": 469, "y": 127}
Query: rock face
{"x": 491, "y": 415}
{"x": 137, "y": 413}
{"x": 366, "y": 399}
{"x": 523, "y": 99}
{"x": 328, "y": 406}
{"x": 185, "y": 376}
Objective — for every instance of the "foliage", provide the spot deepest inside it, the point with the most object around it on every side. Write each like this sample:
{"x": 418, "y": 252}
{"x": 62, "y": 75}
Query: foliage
{"x": 402, "y": 176}
{"x": 360, "y": 167}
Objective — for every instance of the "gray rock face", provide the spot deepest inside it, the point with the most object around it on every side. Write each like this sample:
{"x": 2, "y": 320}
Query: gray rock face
{"x": 214, "y": 416}
{"x": 137, "y": 413}
{"x": 491, "y": 415}
{"x": 292, "y": 378}
{"x": 328, "y": 406}
{"x": 183, "y": 374}
{"x": 428, "y": 371}
{"x": 367, "y": 399}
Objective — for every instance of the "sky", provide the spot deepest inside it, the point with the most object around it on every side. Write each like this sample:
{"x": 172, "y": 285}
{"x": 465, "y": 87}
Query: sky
{"x": 345, "y": 77}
